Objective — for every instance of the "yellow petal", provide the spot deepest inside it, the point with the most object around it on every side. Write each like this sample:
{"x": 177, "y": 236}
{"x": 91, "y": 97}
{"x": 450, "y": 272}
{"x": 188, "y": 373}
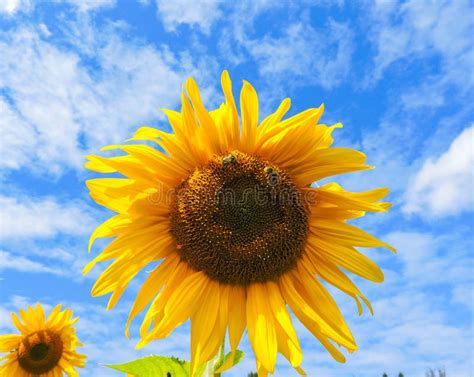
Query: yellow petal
{"x": 67, "y": 368}
{"x": 39, "y": 316}
{"x": 205, "y": 120}
{"x": 234, "y": 123}
{"x": 261, "y": 326}
{"x": 348, "y": 258}
{"x": 199, "y": 145}
{"x": 287, "y": 339}
{"x": 126, "y": 165}
{"x": 133, "y": 242}
{"x": 309, "y": 315}
{"x": 108, "y": 228}
{"x": 159, "y": 165}
{"x": 237, "y": 315}
{"x": 181, "y": 304}
{"x": 249, "y": 111}
{"x": 177, "y": 276}
{"x": 347, "y": 200}
{"x": 345, "y": 234}
{"x": 333, "y": 275}
{"x": 270, "y": 121}
{"x": 289, "y": 127}
{"x": 289, "y": 143}
{"x": 317, "y": 297}
{"x": 206, "y": 333}
{"x": 327, "y": 162}
{"x": 150, "y": 288}
{"x": 116, "y": 194}
{"x": 9, "y": 342}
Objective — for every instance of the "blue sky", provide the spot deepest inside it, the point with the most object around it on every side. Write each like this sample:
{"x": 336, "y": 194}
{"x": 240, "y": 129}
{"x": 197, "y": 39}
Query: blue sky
{"x": 76, "y": 75}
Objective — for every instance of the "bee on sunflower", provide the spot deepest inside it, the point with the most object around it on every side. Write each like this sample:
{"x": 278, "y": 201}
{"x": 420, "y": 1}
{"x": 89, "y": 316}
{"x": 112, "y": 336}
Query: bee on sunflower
{"x": 243, "y": 239}
{"x": 44, "y": 347}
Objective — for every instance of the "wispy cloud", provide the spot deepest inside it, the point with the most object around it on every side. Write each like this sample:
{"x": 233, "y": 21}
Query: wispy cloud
{"x": 20, "y": 263}
{"x": 90, "y": 5}
{"x": 302, "y": 53}
{"x": 445, "y": 258}
{"x": 417, "y": 30}
{"x": 201, "y": 14}
{"x": 295, "y": 51}
{"x": 24, "y": 218}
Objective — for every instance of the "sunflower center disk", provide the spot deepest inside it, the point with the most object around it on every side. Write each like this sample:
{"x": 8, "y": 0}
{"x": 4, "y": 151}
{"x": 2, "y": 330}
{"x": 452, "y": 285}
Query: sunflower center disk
{"x": 239, "y": 219}
{"x": 40, "y": 351}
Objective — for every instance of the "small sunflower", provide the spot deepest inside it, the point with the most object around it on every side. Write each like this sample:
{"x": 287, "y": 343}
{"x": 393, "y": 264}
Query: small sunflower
{"x": 226, "y": 206}
{"x": 45, "y": 347}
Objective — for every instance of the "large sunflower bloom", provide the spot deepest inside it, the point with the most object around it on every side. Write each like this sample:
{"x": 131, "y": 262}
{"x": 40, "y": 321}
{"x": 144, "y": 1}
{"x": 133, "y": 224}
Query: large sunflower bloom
{"x": 227, "y": 206}
{"x": 44, "y": 347}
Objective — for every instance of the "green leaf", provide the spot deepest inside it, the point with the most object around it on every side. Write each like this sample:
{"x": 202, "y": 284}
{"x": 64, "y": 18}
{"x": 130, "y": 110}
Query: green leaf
{"x": 239, "y": 355}
{"x": 154, "y": 366}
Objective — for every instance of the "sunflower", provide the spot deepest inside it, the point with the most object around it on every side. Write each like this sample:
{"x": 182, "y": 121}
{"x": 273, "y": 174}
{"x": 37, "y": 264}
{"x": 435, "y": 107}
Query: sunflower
{"x": 45, "y": 347}
{"x": 242, "y": 238}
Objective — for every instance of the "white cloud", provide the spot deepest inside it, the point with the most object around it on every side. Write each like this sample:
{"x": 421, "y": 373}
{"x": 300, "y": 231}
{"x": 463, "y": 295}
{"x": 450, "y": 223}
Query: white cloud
{"x": 10, "y": 7}
{"x": 201, "y": 13}
{"x": 32, "y": 218}
{"x": 444, "y": 185}
{"x": 54, "y": 109}
{"x": 20, "y": 263}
